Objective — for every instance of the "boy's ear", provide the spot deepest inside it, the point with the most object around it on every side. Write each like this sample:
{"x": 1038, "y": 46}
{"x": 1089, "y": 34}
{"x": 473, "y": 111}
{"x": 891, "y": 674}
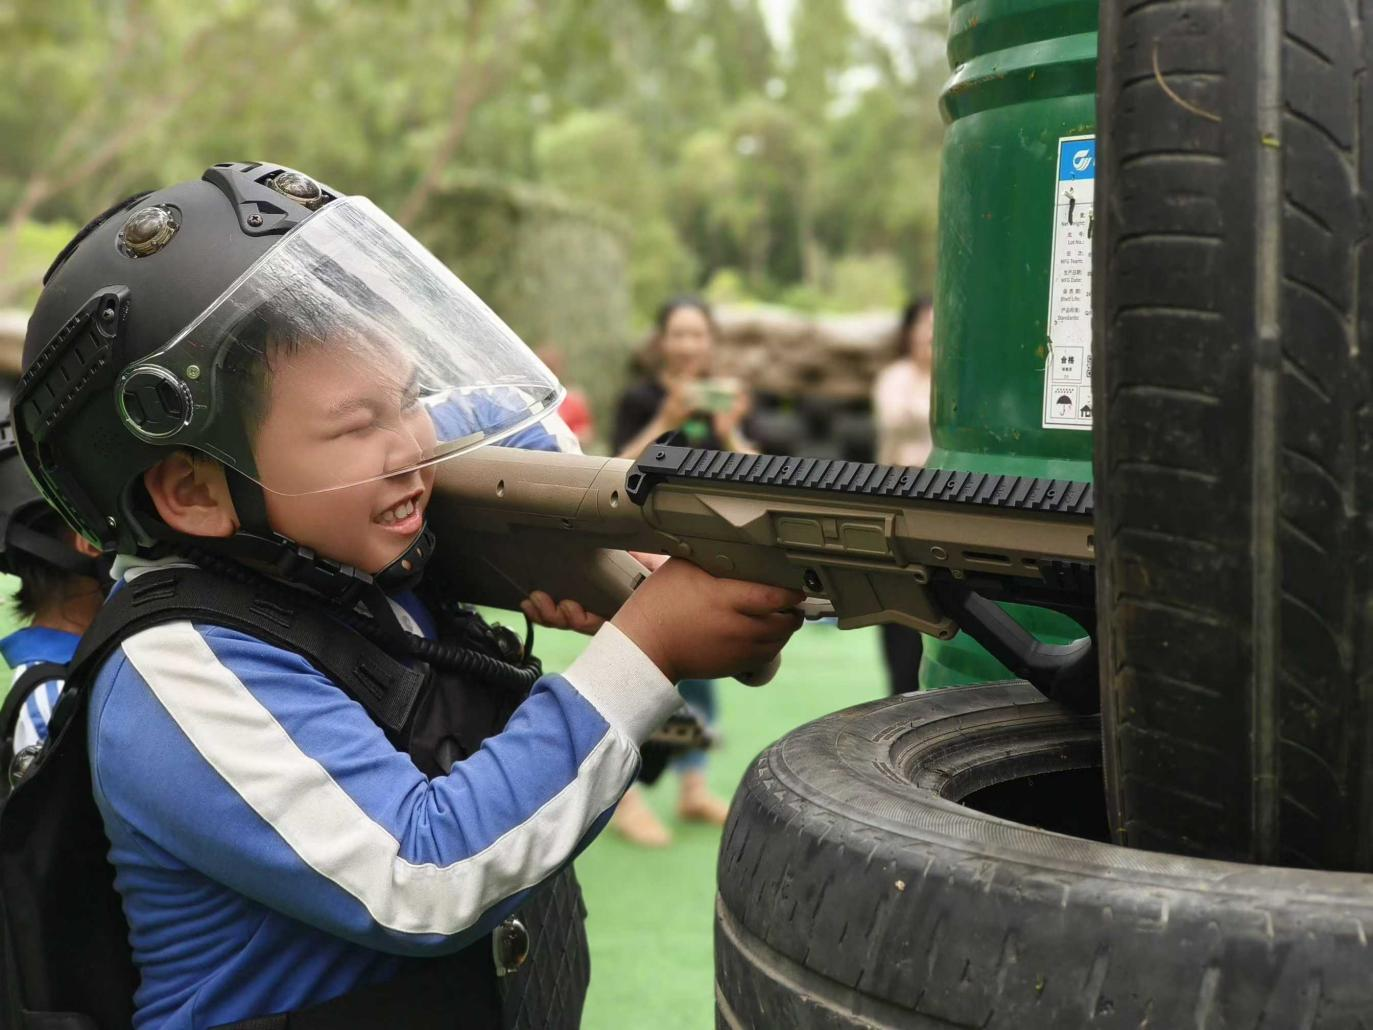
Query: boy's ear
{"x": 191, "y": 495}
{"x": 82, "y": 546}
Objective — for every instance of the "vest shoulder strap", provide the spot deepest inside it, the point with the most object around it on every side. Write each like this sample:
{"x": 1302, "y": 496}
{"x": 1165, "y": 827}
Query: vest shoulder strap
{"x": 31, "y": 678}
{"x": 382, "y": 684}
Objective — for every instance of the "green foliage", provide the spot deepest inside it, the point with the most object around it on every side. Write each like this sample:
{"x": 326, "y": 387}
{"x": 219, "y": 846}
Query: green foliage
{"x": 727, "y": 286}
{"x": 35, "y": 247}
{"x": 600, "y": 157}
{"x": 703, "y": 145}
{"x": 822, "y": 37}
{"x": 553, "y": 269}
{"x": 865, "y": 282}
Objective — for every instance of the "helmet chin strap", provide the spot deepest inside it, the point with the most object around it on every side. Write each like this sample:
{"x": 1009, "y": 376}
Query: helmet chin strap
{"x": 20, "y": 537}
{"x": 405, "y": 572}
{"x": 258, "y": 543}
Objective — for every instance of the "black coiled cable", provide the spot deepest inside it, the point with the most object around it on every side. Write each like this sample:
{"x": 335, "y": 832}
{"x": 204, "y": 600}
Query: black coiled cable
{"x": 455, "y": 658}
{"x": 395, "y": 640}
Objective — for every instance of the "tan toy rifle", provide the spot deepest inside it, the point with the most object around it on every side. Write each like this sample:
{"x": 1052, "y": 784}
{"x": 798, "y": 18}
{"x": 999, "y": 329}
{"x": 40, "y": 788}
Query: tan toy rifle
{"x": 926, "y": 548}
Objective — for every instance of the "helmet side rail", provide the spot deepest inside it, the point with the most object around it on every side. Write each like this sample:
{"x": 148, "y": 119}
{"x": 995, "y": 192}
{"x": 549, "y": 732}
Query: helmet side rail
{"x": 927, "y": 548}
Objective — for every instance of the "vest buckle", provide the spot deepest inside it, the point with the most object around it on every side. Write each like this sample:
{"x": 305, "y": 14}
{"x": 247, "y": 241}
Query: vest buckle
{"x": 509, "y": 946}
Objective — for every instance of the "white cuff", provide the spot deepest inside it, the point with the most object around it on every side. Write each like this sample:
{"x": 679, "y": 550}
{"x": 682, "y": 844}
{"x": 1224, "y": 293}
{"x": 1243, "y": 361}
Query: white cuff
{"x": 623, "y": 684}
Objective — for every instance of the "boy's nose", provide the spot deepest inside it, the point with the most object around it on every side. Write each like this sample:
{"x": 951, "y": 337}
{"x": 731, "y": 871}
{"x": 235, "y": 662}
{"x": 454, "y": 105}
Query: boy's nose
{"x": 407, "y": 448}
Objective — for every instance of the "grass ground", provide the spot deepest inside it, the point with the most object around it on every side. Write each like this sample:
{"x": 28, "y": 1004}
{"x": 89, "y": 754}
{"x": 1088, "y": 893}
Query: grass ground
{"x": 651, "y": 912}
{"x": 651, "y": 917}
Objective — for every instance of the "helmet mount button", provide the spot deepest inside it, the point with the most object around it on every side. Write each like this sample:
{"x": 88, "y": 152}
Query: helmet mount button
{"x": 154, "y": 403}
{"x": 300, "y": 188}
{"x": 148, "y": 230}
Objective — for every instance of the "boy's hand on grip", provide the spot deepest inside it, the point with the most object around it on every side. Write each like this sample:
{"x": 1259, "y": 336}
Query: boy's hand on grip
{"x": 695, "y": 626}
{"x": 542, "y": 610}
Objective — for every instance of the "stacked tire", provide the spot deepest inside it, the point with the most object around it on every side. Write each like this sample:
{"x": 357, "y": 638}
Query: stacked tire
{"x": 1200, "y": 856}
{"x": 877, "y": 870}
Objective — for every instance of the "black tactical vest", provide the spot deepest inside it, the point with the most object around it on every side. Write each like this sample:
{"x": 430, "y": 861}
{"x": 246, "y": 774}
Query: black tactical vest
{"x": 64, "y": 950}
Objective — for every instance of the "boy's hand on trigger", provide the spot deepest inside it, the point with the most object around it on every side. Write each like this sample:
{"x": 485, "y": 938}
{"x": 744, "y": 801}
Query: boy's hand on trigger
{"x": 695, "y": 626}
{"x": 543, "y": 611}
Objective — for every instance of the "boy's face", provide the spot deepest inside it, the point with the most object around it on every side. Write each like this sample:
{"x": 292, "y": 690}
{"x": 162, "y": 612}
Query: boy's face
{"x": 339, "y": 415}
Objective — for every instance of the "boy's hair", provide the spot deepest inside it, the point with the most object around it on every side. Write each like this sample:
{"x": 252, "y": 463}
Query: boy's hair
{"x": 40, "y": 583}
{"x": 284, "y": 325}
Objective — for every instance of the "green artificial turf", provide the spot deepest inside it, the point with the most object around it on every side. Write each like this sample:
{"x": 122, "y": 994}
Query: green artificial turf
{"x": 651, "y": 912}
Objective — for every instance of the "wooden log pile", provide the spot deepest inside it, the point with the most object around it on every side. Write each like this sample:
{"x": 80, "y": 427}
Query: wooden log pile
{"x": 12, "y": 325}
{"x": 790, "y": 354}
{"x": 773, "y": 350}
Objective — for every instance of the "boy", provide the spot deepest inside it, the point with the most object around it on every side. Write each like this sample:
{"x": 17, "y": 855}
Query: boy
{"x": 287, "y": 366}
{"x": 61, "y": 587}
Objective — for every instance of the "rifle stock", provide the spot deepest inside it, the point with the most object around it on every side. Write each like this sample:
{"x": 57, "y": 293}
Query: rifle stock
{"x": 918, "y": 547}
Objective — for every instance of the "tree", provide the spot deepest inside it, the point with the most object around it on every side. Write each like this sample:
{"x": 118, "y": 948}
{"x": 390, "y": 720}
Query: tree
{"x": 716, "y": 149}
{"x": 599, "y": 156}
{"x": 822, "y": 48}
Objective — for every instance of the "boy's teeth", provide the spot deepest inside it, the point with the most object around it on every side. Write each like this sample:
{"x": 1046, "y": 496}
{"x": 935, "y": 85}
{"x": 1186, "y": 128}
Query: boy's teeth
{"x": 401, "y": 511}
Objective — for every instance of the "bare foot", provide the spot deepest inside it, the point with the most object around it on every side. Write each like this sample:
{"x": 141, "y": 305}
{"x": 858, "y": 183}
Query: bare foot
{"x": 697, "y": 804}
{"x": 636, "y": 822}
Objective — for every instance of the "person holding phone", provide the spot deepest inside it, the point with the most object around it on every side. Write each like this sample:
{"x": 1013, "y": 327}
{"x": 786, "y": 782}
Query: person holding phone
{"x": 679, "y": 394}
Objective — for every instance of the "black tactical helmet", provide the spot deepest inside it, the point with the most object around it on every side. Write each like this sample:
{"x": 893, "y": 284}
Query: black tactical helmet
{"x": 22, "y": 518}
{"x": 160, "y": 326}
{"x": 128, "y": 282}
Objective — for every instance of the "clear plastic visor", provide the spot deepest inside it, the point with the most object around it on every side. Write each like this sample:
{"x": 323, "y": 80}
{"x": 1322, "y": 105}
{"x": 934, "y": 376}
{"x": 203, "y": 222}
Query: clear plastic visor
{"x": 349, "y": 353}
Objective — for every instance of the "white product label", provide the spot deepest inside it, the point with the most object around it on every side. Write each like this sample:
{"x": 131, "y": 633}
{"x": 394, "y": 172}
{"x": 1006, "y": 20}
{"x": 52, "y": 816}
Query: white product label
{"x": 1068, "y": 366}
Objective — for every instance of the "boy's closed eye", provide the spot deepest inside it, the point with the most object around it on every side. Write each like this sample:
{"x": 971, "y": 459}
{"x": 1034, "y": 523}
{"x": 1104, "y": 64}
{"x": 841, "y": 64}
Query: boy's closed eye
{"x": 358, "y": 415}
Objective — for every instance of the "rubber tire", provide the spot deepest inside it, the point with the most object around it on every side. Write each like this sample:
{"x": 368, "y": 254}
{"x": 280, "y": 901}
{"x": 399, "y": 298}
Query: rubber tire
{"x": 855, "y": 891}
{"x": 1234, "y": 480}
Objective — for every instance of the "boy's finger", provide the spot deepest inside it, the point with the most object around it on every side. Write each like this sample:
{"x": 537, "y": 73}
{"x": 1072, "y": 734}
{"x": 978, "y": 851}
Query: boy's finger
{"x": 652, "y": 562}
{"x": 542, "y": 609}
{"x": 777, "y": 627}
{"x": 761, "y": 599}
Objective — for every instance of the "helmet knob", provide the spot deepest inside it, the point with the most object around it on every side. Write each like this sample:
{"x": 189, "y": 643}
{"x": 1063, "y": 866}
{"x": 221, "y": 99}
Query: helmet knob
{"x": 300, "y": 188}
{"x": 148, "y": 230}
{"x": 154, "y": 403}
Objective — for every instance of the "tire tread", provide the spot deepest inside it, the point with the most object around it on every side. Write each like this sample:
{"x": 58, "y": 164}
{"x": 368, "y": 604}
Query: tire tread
{"x": 1293, "y": 770}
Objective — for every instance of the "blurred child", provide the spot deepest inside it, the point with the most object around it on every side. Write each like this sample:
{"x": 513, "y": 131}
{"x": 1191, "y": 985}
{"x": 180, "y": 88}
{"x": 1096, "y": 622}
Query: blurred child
{"x": 679, "y": 396}
{"x": 61, "y": 587}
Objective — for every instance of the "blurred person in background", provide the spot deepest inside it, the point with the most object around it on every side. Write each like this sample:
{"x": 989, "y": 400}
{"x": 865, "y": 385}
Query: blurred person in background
{"x": 901, "y": 408}
{"x": 575, "y": 410}
{"x": 62, "y": 583}
{"x": 678, "y": 395}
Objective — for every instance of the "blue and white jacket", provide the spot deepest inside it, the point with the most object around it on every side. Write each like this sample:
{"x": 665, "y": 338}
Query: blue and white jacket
{"x": 273, "y": 850}
{"x": 22, "y": 649}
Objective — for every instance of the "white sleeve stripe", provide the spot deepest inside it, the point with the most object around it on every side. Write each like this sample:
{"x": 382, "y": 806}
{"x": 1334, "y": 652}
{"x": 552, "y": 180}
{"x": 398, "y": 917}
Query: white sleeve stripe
{"x": 25, "y": 732}
{"x": 623, "y": 684}
{"x": 42, "y": 700}
{"x": 325, "y": 827}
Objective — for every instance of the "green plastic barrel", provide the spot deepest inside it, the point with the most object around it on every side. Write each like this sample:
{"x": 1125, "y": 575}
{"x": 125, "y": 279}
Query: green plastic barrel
{"x": 1012, "y": 364}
